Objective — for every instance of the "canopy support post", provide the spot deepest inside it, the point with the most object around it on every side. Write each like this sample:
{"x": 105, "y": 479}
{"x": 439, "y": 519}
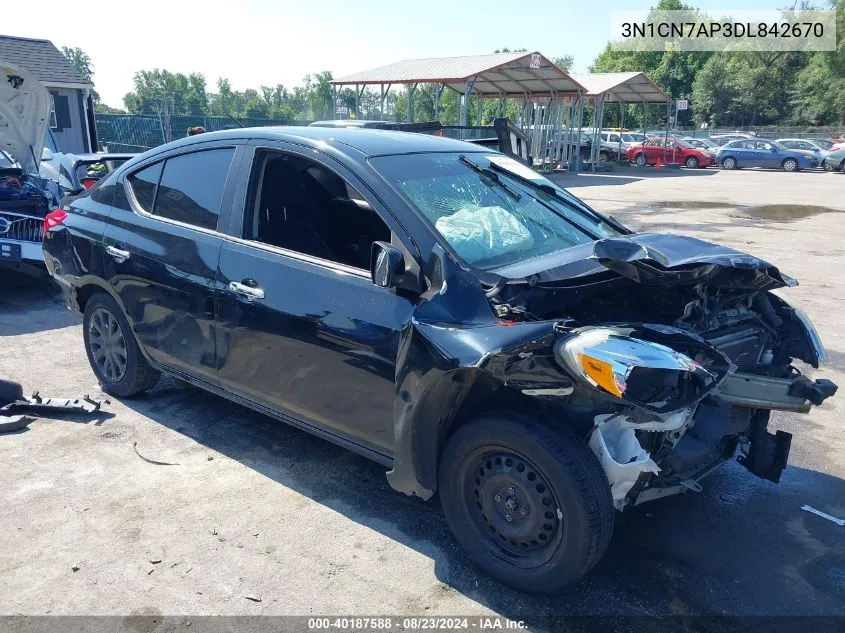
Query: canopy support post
{"x": 621, "y": 127}
{"x": 580, "y": 125}
{"x": 438, "y": 90}
{"x": 470, "y": 86}
{"x": 410, "y": 88}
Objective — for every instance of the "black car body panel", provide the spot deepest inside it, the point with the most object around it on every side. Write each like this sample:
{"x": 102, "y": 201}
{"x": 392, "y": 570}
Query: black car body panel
{"x": 389, "y": 371}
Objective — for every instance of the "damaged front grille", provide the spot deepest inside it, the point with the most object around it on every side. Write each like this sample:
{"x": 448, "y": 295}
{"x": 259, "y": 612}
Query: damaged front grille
{"x": 14, "y": 226}
{"x": 743, "y": 344}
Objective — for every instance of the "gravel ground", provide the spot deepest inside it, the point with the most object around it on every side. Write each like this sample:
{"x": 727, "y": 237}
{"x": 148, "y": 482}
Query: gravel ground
{"x": 254, "y": 509}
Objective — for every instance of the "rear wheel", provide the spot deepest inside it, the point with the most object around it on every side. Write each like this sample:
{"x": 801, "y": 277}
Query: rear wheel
{"x": 604, "y": 158}
{"x": 112, "y": 349}
{"x": 790, "y": 164}
{"x": 692, "y": 162}
{"x": 530, "y": 505}
{"x": 639, "y": 159}
{"x": 729, "y": 163}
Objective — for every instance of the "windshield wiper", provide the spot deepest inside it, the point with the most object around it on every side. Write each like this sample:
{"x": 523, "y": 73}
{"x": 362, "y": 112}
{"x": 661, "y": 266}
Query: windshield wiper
{"x": 552, "y": 191}
{"x": 488, "y": 174}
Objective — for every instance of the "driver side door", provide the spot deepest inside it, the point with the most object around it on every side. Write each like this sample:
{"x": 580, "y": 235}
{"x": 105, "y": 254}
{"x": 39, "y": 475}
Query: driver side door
{"x": 303, "y": 330}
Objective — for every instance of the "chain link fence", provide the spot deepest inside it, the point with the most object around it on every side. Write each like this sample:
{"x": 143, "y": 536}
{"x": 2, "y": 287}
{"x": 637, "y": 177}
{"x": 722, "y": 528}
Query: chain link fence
{"x": 140, "y": 132}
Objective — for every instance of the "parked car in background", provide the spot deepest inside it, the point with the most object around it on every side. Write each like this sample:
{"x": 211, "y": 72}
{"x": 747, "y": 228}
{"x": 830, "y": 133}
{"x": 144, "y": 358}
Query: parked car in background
{"x": 766, "y": 154}
{"x": 77, "y": 172}
{"x": 701, "y": 143}
{"x": 722, "y": 139}
{"x": 810, "y": 144}
{"x": 834, "y": 160}
{"x": 25, "y": 197}
{"x": 30, "y": 189}
{"x": 616, "y": 140}
{"x": 671, "y": 150}
{"x": 806, "y": 147}
{"x": 447, "y": 312}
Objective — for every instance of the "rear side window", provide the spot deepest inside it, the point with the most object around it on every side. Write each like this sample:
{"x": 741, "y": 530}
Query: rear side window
{"x": 144, "y": 185}
{"x": 191, "y": 187}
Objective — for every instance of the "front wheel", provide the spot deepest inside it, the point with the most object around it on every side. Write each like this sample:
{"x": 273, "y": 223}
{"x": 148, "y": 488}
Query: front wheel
{"x": 112, "y": 349}
{"x": 692, "y": 162}
{"x": 790, "y": 164}
{"x": 729, "y": 163}
{"x": 530, "y": 505}
{"x": 604, "y": 159}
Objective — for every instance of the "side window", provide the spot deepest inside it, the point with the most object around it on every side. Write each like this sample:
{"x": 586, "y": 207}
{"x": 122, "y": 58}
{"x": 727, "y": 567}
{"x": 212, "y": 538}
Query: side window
{"x": 144, "y": 185}
{"x": 191, "y": 187}
{"x": 302, "y": 206}
{"x": 763, "y": 145}
{"x": 614, "y": 138}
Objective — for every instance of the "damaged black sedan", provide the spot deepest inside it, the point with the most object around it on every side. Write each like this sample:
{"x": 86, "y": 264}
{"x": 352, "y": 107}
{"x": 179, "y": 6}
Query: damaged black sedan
{"x": 447, "y": 312}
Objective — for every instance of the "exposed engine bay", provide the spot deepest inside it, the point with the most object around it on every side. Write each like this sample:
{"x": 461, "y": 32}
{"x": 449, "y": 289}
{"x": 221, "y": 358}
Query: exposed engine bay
{"x": 689, "y": 359}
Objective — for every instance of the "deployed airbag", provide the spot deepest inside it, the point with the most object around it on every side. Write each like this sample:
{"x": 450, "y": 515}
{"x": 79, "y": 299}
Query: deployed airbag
{"x": 483, "y": 232}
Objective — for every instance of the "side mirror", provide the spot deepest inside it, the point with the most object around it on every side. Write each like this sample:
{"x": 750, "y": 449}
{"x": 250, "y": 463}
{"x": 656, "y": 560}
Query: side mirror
{"x": 387, "y": 265}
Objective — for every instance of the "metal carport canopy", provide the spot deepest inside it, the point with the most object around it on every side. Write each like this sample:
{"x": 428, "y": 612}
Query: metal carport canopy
{"x": 496, "y": 74}
{"x": 633, "y": 87}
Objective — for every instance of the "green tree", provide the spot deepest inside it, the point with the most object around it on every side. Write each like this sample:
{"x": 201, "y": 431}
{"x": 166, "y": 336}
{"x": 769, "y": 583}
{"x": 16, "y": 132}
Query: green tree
{"x": 182, "y": 94}
{"x": 82, "y": 63}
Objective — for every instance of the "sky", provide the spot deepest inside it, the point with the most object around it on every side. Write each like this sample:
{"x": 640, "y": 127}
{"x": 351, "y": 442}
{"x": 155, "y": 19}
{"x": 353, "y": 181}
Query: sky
{"x": 265, "y": 42}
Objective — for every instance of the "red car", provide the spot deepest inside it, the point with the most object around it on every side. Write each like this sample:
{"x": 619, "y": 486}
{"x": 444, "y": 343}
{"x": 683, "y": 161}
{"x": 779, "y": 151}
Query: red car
{"x": 652, "y": 151}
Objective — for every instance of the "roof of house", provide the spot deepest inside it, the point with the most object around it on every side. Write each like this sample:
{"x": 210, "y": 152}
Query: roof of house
{"x": 41, "y": 58}
{"x": 494, "y": 74}
{"x": 630, "y": 87}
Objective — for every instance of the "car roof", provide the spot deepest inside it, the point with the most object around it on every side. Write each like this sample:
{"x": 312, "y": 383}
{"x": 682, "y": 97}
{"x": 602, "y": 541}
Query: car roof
{"x": 367, "y": 141}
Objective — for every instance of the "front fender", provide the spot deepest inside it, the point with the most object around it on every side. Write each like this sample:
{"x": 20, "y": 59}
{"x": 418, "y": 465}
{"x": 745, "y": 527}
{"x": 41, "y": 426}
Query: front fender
{"x": 437, "y": 368}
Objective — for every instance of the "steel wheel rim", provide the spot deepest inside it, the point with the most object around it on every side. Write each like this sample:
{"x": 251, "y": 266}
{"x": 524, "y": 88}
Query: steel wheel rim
{"x": 511, "y": 486}
{"x": 107, "y": 345}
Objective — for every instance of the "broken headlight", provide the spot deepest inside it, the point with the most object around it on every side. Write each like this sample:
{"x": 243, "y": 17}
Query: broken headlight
{"x": 647, "y": 374}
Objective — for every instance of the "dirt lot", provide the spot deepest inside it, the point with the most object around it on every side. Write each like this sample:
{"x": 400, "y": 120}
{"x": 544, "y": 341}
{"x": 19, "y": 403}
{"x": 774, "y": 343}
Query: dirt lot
{"x": 255, "y": 509}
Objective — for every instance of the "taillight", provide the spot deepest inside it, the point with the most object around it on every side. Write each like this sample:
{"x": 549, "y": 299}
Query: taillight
{"x": 54, "y": 218}
{"x": 88, "y": 182}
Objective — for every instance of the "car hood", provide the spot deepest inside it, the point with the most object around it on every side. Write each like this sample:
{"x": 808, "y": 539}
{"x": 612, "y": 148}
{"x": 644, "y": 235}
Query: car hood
{"x": 654, "y": 259}
{"x": 24, "y": 116}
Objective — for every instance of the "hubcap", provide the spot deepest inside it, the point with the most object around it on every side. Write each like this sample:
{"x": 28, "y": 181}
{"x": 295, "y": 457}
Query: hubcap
{"x": 790, "y": 165}
{"x": 691, "y": 163}
{"x": 107, "y": 345}
{"x": 512, "y": 504}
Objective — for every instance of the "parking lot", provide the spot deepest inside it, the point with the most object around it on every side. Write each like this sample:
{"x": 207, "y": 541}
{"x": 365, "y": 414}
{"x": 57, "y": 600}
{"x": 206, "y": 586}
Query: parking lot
{"x": 253, "y": 517}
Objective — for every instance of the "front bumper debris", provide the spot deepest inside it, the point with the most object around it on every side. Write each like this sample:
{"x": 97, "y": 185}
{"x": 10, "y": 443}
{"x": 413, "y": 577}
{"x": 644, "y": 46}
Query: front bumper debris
{"x": 796, "y": 394}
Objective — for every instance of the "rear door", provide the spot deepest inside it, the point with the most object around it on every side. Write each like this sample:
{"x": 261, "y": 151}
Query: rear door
{"x": 303, "y": 330}
{"x": 162, "y": 251}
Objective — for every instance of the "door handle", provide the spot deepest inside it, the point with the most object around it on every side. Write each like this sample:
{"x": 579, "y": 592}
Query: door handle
{"x": 249, "y": 293}
{"x": 119, "y": 255}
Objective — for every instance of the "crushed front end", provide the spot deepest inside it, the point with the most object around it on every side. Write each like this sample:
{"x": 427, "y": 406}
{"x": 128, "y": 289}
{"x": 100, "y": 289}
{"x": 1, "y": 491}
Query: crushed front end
{"x": 676, "y": 360}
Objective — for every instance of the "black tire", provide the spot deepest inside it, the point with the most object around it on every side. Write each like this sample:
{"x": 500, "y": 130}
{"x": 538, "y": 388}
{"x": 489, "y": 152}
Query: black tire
{"x": 137, "y": 375}
{"x": 604, "y": 158}
{"x": 10, "y": 391}
{"x": 842, "y": 166}
{"x": 508, "y": 454}
{"x": 639, "y": 159}
{"x": 789, "y": 164}
{"x": 691, "y": 162}
{"x": 729, "y": 163}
